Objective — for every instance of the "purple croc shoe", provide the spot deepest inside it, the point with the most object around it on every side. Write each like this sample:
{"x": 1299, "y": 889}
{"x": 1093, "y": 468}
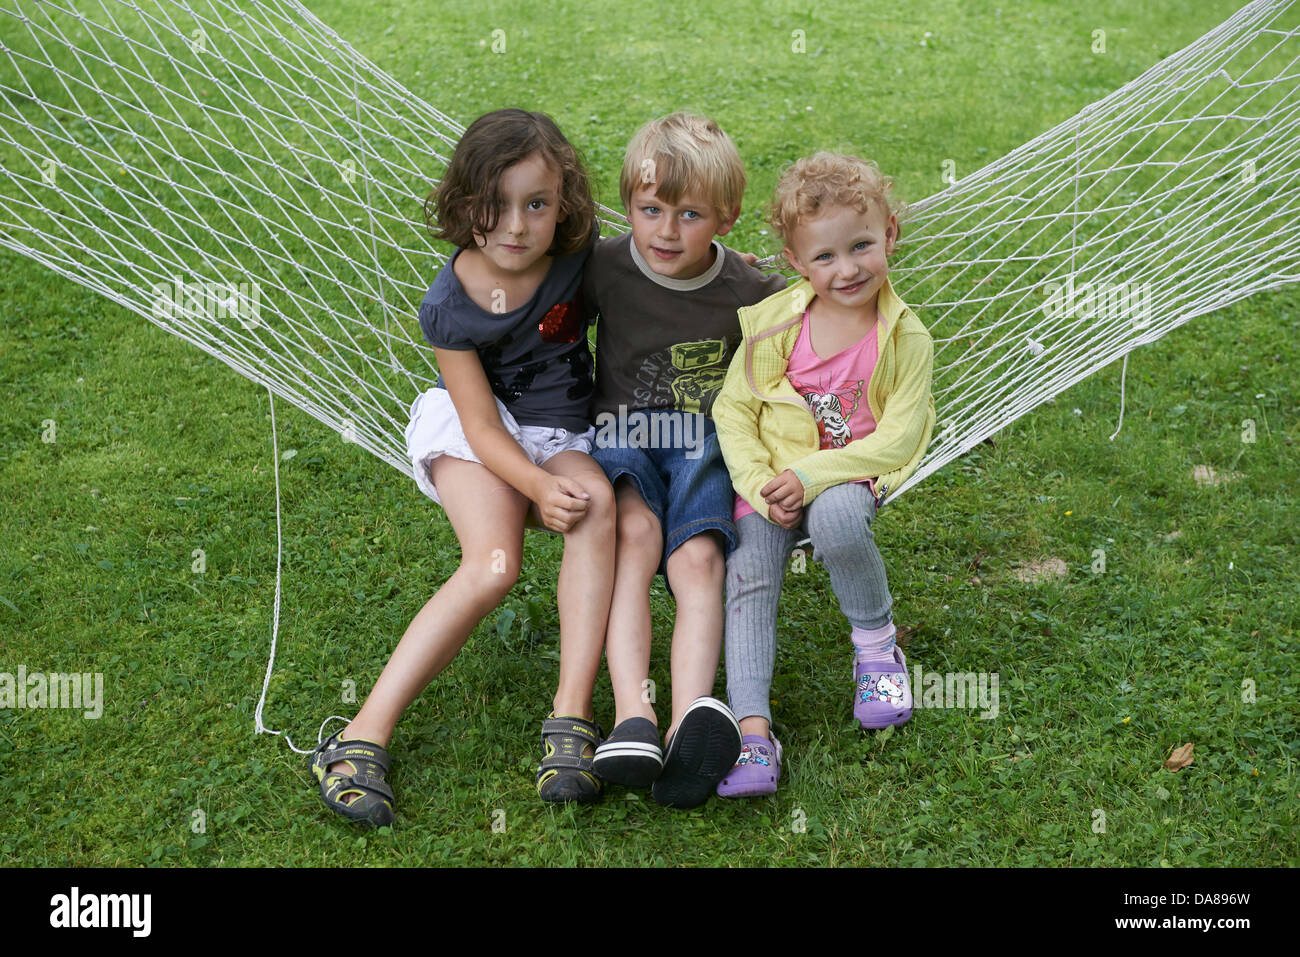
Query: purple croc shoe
{"x": 757, "y": 769}
{"x": 882, "y": 695}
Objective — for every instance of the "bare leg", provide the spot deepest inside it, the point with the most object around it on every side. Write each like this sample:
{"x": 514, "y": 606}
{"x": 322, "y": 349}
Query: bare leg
{"x": 627, "y": 645}
{"x": 488, "y": 518}
{"x": 585, "y": 586}
{"x": 696, "y": 570}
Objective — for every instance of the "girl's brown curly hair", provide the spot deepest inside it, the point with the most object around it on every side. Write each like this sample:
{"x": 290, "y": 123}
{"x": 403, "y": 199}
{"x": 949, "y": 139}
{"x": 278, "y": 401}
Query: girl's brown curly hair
{"x": 469, "y": 196}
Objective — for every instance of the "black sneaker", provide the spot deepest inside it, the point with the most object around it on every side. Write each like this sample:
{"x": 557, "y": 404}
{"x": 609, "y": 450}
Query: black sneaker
{"x": 631, "y": 755}
{"x": 703, "y": 749}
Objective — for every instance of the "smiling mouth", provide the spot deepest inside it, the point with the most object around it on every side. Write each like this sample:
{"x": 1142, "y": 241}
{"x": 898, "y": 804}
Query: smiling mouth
{"x": 849, "y": 290}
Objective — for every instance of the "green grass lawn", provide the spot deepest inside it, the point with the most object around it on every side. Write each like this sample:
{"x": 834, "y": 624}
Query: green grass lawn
{"x": 1183, "y": 631}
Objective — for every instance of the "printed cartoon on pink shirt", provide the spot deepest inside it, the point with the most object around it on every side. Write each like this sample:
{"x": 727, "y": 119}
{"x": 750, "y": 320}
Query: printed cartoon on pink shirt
{"x": 832, "y": 410}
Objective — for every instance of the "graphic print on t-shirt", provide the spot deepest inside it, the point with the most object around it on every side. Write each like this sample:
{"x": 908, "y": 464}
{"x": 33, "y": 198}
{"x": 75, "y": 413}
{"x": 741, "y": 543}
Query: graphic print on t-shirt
{"x": 521, "y": 376}
{"x": 686, "y": 375}
{"x": 832, "y": 408}
{"x": 563, "y": 322}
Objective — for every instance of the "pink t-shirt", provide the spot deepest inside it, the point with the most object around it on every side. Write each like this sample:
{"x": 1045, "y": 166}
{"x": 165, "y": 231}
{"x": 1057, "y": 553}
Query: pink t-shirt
{"x": 835, "y": 390}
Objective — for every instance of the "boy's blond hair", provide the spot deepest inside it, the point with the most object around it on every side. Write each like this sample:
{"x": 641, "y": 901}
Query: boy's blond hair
{"x": 813, "y": 184}
{"x": 684, "y": 153}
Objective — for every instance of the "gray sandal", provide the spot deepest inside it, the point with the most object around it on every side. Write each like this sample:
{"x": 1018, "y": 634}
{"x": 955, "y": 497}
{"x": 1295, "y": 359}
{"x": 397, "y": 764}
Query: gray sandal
{"x": 566, "y": 773}
{"x": 370, "y": 762}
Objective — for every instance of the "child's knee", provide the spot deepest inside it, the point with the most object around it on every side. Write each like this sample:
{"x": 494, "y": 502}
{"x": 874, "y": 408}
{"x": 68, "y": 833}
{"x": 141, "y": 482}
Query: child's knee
{"x": 841, "y": 518}
{"x": 749, "y": 567}
{"x": 745, "y": 567}
{"x": 698, "y": 559}
{"x": 842, "y": 538}
{"x": 637, "y": 524}
{"x": 845, "y": 546}
{"x": 601, "y": 507}
{"x": 490, "y": 577}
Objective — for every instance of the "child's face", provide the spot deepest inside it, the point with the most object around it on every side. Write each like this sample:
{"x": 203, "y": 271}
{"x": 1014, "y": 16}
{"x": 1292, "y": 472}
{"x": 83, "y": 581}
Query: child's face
{"x": 530, "y": 207}
{"x": 676, "y": 239}
{"x": 844, "y": 253}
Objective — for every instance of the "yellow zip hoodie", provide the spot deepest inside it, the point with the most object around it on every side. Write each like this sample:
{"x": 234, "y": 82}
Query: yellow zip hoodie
{"x": 765, "y": 427}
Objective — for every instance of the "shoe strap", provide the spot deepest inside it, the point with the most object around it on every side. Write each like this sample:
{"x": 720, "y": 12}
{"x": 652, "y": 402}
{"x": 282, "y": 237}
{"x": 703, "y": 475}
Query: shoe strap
{"x": 366, "y": 756}
{"x": 578, "y": 727}
{"x": 571, "y": 737}
{"x": 338, "y": 783}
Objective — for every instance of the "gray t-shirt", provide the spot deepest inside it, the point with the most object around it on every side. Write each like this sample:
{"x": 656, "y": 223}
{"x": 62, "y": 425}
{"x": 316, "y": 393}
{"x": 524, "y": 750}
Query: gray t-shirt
{"x": 536, "y": 357}
{"x": 666, "y": 343}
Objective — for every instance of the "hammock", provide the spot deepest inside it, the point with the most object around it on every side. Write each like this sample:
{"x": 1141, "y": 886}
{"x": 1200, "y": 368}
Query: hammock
{"x": 244, "y": 179}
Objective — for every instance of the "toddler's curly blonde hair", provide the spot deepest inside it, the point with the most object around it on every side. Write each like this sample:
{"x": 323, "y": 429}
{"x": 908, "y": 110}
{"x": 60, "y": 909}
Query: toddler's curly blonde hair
{"x": 814, "y": 184}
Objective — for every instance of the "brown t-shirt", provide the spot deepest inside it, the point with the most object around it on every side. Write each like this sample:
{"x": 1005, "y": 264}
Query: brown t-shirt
{"x": 665, "y": 343}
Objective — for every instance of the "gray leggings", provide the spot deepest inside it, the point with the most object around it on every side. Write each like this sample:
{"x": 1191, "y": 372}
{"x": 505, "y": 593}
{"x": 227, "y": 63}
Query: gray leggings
{"x": 839, "y": 523}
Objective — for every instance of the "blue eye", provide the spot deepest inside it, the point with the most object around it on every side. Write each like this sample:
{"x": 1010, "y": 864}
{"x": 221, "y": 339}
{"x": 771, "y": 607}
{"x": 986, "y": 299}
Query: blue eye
{"x": 863, "y": 245}
{"x": 823, "y": 255}
{"x": 650, "y": 210}
{"x": 691, "y": 214}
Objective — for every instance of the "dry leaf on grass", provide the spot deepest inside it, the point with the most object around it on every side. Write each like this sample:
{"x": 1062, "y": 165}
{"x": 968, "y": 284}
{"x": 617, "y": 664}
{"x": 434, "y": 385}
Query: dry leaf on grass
{"x": 1180, "y": 758}
{"x": 904, "y": 632}
{"x": 1204, "y": 475}
{"x": 1042, "y": 570}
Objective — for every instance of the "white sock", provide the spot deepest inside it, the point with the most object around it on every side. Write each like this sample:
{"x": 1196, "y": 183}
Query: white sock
{"x": 874, "y": 644}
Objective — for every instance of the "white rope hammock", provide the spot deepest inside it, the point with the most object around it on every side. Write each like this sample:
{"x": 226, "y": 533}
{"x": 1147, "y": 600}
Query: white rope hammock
{"x": 241, "y": 177}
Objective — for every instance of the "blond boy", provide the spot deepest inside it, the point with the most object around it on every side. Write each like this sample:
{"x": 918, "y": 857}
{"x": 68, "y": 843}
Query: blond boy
{"x": 667, "y": 295}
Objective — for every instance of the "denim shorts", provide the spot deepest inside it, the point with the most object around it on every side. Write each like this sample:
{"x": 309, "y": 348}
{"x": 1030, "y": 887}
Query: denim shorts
{"x": 686, "y": 484}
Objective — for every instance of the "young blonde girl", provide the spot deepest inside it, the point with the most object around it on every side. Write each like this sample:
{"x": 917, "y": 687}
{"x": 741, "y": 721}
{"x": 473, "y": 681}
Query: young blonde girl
{"x": 826, "y": 407}
{"x": 503, "y": 437}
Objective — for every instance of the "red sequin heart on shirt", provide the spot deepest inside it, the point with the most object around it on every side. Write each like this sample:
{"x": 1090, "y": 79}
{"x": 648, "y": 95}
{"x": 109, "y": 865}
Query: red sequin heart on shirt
{"x": 562, "y": 323}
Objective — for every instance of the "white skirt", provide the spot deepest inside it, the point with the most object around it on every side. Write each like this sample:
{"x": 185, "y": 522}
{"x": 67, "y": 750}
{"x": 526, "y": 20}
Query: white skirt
{"x": 435, "y": 430}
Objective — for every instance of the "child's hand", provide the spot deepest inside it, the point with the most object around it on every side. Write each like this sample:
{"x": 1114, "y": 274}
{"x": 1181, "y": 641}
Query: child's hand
{"x": 786, "y": 517}
{"x": 561, "y": 502}
{"x": 785, "y": 490}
